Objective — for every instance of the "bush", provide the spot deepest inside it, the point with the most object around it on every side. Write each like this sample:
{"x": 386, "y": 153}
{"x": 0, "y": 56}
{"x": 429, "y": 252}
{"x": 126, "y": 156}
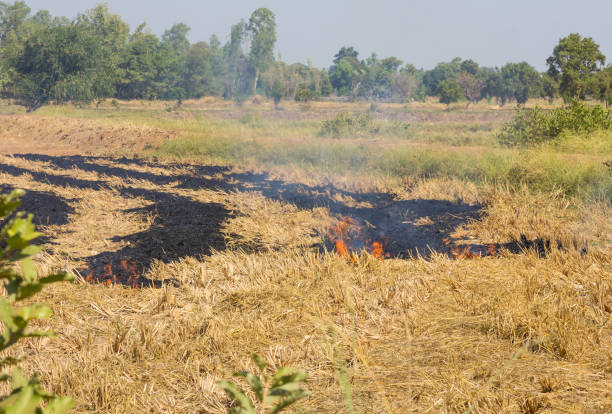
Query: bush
{"x": 346, "y": 124}
{"x": 27, "y": 395}
{"x": 305, "y": 95}
{"x": 535, "y": 126}
{"x": 358, "y": 125}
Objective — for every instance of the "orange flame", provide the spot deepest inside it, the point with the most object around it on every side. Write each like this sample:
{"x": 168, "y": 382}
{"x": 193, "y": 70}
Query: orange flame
{"x": 492, "y": 250}
{"x": 341, "y": 248}
{"x": 109, "y": 278}
{"x": 347, "y": 237}
{"x": 378, "y": 251}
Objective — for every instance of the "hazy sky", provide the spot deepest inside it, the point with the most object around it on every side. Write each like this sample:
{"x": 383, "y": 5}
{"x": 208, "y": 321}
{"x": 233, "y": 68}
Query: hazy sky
{"x": 423, "y": 32}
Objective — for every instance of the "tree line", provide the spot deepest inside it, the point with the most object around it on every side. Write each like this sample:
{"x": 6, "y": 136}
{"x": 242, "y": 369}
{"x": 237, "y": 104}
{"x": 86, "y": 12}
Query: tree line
{"x": 95, "y": 56}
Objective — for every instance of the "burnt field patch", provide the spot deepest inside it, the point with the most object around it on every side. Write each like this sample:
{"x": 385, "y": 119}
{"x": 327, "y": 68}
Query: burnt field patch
{"x": 181, "y": 223}
{"x": 184, "y": 225}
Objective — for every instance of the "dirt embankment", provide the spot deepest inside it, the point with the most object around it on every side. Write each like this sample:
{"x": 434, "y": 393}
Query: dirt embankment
{"x": 66, "y": 136}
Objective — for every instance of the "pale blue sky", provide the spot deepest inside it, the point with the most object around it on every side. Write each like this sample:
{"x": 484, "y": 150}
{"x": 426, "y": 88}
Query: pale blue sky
{"x": 421, "y": 32}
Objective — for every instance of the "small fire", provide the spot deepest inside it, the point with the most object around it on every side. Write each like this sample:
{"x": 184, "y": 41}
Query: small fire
{"x": 464, "y": 253}
{"x": 348, "y": 238}
{"x": 491, "y": 249}
{"x": 341, "y": 248}
{"x": 378, "y": 251}
{"x": 109, "y": 277}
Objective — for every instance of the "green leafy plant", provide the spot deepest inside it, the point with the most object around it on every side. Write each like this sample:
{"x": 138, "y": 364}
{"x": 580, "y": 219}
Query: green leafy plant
{"x": 346, "y": 124}
{"x": 273, "y": 394}
{"x": 536, "y": 125}
{"x": 27, "y": 395}
{"x": 358, "y": 125}
{"x": 304, "y": 94}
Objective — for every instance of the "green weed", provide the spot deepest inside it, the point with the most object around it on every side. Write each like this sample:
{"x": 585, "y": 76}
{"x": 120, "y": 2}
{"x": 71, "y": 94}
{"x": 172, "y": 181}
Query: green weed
{"x": 273, "y": 394}
{"x": 27, "y": 395}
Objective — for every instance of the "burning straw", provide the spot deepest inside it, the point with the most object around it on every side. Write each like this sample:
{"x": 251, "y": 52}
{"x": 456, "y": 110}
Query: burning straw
{"x": 349, "y": 238}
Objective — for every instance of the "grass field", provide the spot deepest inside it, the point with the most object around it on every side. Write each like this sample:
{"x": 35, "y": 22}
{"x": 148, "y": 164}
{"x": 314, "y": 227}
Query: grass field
{"x": 201, "y": 234}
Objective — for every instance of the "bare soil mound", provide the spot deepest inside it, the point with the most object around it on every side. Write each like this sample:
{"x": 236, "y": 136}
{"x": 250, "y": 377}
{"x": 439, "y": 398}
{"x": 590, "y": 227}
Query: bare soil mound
{"x": 63, "y": 136}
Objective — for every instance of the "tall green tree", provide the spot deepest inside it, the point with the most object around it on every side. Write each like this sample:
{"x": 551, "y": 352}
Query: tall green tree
{"x": 112, "y": 34}
{"x": 470, "y": 67}
{"x": 348, "y": 72}
{"x": 549, "y": 87}
{"x": 573, "y": 62}
{"x": 64, "y": 61}
{"x": 262, "y": 30}
{"x": 348, "y": 52}
{"x": 442, "y": 71}
{"x": 174, "y": 48}
{"x": 141, "y": 72}
{"x": 520, "y": 81}
{"x": 12, "y": 16}
{"x": 176, "y": 38}
{"x": 197, "y": 78}
{"x": 111, "y": 30}
{"x": 379, "y": 77}
{"x": 449, "y": 92}
{"x": 346, "y": 76}
{"x": 600, "y": 85}
{"x": 492, "y": 84}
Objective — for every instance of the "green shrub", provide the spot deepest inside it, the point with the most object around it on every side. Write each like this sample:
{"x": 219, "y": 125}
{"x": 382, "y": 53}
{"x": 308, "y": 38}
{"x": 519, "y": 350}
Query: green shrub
{"x": 27, "y": 395}
{"x": 346, "y": 124}
{"x": 356, "y": 125}
{"x": 535, "y": 126}
{"x": 303, "y": 94}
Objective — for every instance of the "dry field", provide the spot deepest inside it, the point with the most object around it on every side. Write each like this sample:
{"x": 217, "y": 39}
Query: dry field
{"x": 185, "y": 269}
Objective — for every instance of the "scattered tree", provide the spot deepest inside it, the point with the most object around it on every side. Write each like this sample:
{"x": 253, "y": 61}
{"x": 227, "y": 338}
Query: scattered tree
{"x": 345, "y": 52}
{"x": 262, "y": 29}
{"x": 442, "y": 72}
{"x": 449, "y": 92}
{"x": 550, "y": 87}
{"x": 520, "y": 81}
{"x": 469, "y": 67}
{"x": 62, "y": 62}
{"x": 471, "y": 87}
{"x": 12, "y": 16}
{"x": 347, "y": 72}
{"x": 573, "y": 62}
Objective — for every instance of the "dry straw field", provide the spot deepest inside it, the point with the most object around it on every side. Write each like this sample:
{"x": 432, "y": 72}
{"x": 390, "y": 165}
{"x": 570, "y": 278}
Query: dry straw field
{"x": 489, "y": 294}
